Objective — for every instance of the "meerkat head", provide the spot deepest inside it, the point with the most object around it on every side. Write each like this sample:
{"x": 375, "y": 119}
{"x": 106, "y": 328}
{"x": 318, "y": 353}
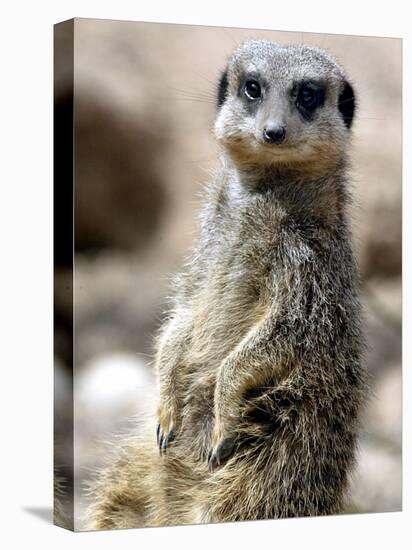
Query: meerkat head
{"x": 283, "y": 104}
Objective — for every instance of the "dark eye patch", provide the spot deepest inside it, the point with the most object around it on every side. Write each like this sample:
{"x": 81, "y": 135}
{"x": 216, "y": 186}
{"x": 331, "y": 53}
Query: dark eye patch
{"x": 222, "y": 89}
{"x": 347, "y": 104}
{"x": 310, "y": 96}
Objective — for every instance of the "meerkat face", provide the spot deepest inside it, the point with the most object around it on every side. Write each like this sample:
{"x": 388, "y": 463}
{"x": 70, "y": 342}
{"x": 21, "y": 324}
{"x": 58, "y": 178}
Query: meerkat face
{"x": 283, "y": 104}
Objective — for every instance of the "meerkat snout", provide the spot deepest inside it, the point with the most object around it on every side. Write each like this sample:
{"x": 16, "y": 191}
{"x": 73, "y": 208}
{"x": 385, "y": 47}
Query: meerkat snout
{"x": 274, "y": 135}
{"x": 272, "y": 118}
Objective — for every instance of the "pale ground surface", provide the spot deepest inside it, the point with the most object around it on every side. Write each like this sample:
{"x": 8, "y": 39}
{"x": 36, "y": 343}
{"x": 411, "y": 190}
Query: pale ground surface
{"x": 147, "y": 97}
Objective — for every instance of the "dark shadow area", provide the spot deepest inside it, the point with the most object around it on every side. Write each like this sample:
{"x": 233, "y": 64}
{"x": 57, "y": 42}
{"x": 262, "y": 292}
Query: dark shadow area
{"x": 45, "y": 513}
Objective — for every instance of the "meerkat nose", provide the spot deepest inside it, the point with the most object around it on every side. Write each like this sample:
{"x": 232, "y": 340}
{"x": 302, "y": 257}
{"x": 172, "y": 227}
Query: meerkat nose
{"x": 274, "y": 135}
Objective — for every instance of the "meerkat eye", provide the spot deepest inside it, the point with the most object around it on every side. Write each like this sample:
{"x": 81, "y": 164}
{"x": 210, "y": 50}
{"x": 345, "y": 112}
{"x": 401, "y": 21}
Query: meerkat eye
{"x": 310, "y": 96}
{"x": 252, "y": 89}
{"x": 307, "y": 97}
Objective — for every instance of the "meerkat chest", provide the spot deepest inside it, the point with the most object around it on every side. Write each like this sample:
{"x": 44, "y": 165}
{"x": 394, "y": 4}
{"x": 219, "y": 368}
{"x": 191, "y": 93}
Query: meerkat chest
{"x": 249, "y": 245}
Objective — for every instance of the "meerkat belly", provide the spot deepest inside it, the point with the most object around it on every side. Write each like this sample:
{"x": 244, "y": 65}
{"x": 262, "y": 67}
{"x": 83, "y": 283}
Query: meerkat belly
{"x": 231, "y": 301}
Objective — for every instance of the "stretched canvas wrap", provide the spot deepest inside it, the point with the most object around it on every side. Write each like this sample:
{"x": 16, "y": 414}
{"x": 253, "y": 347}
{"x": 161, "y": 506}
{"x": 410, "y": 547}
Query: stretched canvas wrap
{"x": 227, "y": 268}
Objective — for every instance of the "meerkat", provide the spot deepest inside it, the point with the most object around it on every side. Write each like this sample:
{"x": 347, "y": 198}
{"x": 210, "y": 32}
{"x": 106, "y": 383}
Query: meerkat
{"x": 259, "y": 363}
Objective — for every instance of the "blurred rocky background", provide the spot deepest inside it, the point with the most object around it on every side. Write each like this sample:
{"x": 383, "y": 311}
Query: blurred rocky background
{"x": 144, "y": 104}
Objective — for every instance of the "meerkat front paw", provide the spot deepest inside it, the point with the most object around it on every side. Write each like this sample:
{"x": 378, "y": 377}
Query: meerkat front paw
{"x": 166, "y": 427}
{"x": 223, "y": 446}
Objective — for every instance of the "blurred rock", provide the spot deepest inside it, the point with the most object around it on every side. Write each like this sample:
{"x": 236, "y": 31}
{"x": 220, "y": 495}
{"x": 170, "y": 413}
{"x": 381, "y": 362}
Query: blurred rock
{"x": 383, "y": 419}
{"x": 119, "y": 300}
{"x": 63, "y": 316}
{"x": 63, "y": 390}
{"x": 377, "y": 156}
{"x": 119, "y": 187}
{"x": 114, "y": 392}
{"x": 110, "y": 389}
{"x": 381, "y": 249}
{"x": 383, "y": 316}
{"x": 385, "y": 297}
{"x": 377, "y": 483}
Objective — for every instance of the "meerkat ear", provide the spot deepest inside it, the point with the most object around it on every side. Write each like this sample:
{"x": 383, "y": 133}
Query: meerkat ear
{"x": 347, "y": 104}
{"x": 222, "y": 90}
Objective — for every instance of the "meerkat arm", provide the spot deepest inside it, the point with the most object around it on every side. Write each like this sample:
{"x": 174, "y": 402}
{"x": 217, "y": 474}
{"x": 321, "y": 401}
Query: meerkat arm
{"x": 288, "y": 331}
{"x": 250, "y": 364}
{"x": 172, "y": 344}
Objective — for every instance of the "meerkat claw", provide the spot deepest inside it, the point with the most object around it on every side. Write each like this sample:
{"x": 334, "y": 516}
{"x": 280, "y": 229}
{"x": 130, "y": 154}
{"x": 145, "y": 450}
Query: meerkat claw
{"x": 220, "y": 455}
{"x": 168, "y": 438}
{"x": 164, "y": 439}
